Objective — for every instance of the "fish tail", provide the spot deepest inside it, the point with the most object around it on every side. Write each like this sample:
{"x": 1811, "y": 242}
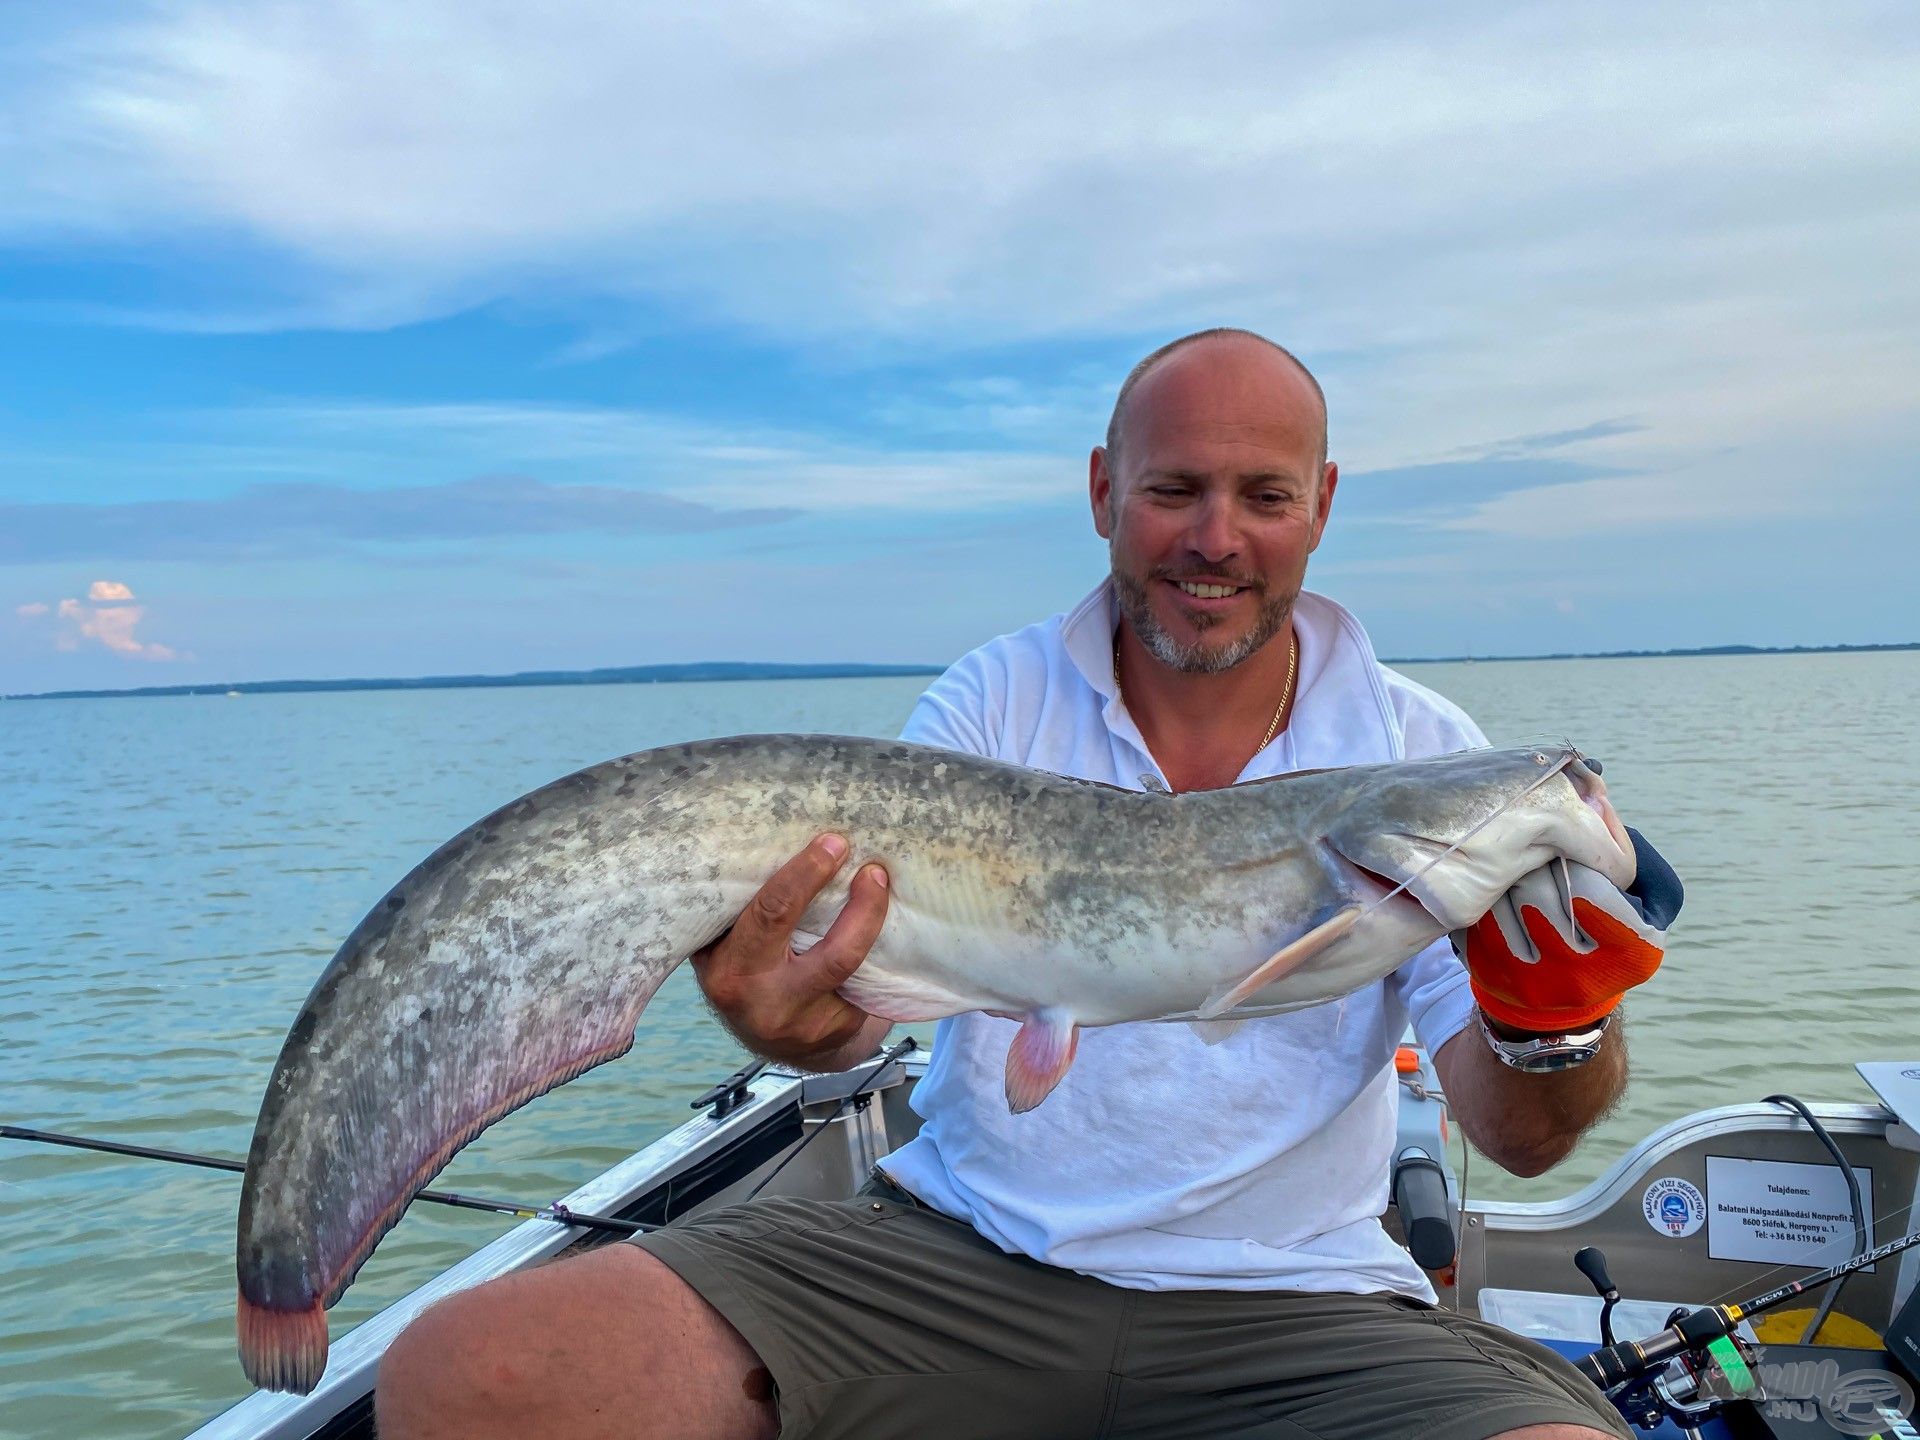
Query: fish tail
{"x": 282, "y": 1349}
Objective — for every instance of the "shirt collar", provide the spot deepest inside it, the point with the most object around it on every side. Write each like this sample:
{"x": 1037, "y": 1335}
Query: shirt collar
{"x": 1087, "y": 632}
{"x": 1335, "y": 651}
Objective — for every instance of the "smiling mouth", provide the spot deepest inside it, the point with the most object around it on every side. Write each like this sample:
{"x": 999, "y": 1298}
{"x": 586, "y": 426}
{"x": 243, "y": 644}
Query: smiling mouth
{"x": 1208, "y": 589}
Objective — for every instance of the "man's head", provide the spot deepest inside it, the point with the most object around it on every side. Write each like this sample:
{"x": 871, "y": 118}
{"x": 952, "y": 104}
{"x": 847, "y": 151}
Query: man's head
{"x": 1214, "y": 478}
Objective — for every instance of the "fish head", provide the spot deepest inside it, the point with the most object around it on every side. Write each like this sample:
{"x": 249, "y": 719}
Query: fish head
{"x": 1457, "y": 831}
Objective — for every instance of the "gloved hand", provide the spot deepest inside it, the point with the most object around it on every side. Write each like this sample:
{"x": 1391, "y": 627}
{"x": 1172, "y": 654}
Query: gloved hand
{"x": 1560, "y": 948}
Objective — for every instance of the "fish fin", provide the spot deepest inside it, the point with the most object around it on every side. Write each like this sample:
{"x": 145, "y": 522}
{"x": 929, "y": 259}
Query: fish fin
{"x": 283, "y": 1349}
{"x": 1212, "y": 1032}
{"x": 1281, "y": 963}
{"x": 1039, "y": 1057}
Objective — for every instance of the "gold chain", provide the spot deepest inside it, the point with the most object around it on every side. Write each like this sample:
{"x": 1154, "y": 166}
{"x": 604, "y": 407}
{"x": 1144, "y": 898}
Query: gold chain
{"x": 1273, "y": 726}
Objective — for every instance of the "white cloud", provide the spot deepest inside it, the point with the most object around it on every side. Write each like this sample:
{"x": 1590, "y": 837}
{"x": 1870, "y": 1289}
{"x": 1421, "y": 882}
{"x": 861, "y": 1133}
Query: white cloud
{"x": 995, "y": 168}
{"x": 76, "y": 623}
{"x": 710, "y": 465}
{"x": 1486, "y": 221}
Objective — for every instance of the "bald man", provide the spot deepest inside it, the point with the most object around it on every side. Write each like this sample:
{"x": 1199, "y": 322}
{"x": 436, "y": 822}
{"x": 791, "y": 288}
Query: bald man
{"x": 1185, "y": 1239}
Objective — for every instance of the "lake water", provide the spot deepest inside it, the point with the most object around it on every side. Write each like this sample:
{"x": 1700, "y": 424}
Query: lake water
{"x": 175, "y": 872}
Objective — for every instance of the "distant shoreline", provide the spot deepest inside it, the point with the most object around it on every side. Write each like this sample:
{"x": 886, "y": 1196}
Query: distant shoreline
{"x": 706, "y": 670}
{"x": 1704, "y": 650}
{"x": 746, "y": 670}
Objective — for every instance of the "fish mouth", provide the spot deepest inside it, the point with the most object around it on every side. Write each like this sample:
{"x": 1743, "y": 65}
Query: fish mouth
{"x": 1489, "y": 819}
{"x": 1592, "y": 791}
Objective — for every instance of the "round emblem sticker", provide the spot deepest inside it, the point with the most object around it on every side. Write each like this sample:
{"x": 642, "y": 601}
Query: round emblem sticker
{"x": 1673, "y": 1206}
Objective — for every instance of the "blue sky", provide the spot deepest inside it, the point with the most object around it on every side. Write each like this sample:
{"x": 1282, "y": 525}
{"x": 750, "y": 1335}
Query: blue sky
{"x": 412, "y": 337}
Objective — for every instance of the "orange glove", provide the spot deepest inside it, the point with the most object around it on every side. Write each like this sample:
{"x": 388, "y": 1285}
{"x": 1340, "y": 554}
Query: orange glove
{"x": 1560, "y": 948}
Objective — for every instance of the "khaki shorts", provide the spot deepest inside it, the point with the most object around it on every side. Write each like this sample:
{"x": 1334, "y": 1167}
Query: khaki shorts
{"x": 881, "y": 1319}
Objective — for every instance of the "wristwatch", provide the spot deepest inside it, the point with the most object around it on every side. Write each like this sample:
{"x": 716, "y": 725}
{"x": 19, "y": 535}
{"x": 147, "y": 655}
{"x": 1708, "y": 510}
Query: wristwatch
{"x": 1542, "y": 1054}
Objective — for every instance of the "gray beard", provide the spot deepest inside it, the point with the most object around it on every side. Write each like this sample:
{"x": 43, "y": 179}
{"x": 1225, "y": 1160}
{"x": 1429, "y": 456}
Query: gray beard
{"x": 1196, "y": 658}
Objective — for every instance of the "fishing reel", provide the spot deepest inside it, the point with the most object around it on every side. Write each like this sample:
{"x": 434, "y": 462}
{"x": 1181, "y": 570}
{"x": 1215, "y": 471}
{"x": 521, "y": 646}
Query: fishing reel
{"x": 1687, "y": 1373}
{"x": 1693, "y": 1387}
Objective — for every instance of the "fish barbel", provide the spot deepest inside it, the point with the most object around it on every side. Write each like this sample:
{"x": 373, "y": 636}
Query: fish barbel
{"x": 521, "y": 952}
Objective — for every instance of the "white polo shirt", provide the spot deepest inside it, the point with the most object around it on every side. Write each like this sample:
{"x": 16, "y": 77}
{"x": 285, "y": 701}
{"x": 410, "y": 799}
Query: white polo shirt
{"x": 1161, "y": 1162}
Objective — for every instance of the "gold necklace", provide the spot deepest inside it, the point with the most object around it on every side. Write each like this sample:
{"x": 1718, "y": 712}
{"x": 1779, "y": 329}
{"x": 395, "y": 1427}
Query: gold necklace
{"x": 1273, "y": 726}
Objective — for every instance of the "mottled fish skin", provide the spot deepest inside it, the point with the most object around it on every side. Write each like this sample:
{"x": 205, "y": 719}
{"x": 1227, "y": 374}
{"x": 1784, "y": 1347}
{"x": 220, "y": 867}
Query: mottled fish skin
{"x": 522, "y": 951}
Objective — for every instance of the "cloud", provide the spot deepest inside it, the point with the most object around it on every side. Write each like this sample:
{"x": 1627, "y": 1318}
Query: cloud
{"x": 735, "y": 465}
{"x": 1421, "y": 496}
{"x": 1567, "y": 272}
{"x": 1503, "y": 219}
{"x": 75, "y": 623}
{"x": 263, "y": 521}
{"x": 970, "y": 167}
{"x": 1631, "y": 505}
{"x": 1540, "y": 444}
{"x": 317, "y": 470}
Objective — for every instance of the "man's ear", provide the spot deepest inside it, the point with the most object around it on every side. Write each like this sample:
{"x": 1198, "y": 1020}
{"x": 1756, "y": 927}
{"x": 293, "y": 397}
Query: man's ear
{"x": 1100, "y": 492}
{"x": 1323, "y": 502}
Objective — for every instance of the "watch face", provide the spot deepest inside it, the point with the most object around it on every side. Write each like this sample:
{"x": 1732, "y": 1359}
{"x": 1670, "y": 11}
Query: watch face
{"x": 1561, "y": 1057}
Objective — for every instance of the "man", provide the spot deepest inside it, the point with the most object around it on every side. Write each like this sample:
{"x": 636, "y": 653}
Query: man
{"x": 1184, "y": 1239}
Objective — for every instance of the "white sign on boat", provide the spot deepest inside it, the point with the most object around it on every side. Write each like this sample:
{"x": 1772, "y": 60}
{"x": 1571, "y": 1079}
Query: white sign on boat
{"x": 1781, "y": 1212}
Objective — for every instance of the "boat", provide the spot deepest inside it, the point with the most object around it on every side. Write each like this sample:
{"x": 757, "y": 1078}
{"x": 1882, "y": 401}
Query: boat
{"x": 1762, "y": 1166}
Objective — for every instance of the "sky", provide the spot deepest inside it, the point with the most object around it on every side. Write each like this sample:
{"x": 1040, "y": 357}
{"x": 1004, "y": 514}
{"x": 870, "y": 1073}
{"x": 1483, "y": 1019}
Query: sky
{"x": 420, "y": 337}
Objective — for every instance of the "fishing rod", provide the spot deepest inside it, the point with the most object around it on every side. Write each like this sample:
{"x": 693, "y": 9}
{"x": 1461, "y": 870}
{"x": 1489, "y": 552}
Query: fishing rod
{"x": 557, "y": 1212}
{"x": 516, "y": 1208}
{"x": 1612, "y": 1366}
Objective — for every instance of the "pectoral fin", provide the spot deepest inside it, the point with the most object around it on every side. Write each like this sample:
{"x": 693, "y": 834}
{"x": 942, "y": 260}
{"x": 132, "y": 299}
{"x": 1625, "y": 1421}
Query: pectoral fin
{"x": 1281, "y": 964}
{"x": 1212, "y": 1032}
{"x": 1039, "y": 1057}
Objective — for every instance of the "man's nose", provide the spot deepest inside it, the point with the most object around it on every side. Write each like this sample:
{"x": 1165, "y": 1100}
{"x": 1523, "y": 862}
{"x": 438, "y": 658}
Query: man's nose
{"x": 1214, "y": 534}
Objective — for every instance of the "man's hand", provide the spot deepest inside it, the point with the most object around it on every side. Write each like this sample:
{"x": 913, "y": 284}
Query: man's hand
{"x": 781, "y": 1004}
{"x": 1559, "y": 950}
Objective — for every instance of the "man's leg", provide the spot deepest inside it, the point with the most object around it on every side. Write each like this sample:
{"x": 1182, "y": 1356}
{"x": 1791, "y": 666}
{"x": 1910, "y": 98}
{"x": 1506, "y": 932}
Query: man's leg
{"x": 610, "y": 1343}
{"x": 1251, "y": 1365}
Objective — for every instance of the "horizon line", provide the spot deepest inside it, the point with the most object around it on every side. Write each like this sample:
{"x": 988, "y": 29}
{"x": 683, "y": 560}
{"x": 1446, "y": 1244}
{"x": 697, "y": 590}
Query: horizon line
{"x": 708, "y": 671}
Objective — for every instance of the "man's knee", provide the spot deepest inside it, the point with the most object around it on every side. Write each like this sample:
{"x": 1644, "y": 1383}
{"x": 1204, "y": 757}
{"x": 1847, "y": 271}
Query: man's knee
{"x": 468, "y": 1358}
{"x": 612, "y": 1342}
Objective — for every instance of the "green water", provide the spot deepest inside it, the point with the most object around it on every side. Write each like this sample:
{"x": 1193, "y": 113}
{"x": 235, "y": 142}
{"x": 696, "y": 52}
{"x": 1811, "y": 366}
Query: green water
{"x": 173, "y": 873}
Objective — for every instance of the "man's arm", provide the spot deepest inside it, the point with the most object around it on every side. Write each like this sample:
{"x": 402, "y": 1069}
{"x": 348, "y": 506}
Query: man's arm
{"x": 1529, "y": 977}
{"x": 1528, "y": 1123}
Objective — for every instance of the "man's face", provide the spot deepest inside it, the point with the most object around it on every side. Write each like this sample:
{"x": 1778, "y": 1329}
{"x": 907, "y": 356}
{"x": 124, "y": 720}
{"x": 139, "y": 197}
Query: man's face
{"x": 1214, "y": 502}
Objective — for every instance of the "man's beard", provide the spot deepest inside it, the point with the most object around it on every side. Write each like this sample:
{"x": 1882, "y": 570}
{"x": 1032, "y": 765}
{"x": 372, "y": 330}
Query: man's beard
{"x": 1197, "y": 657}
